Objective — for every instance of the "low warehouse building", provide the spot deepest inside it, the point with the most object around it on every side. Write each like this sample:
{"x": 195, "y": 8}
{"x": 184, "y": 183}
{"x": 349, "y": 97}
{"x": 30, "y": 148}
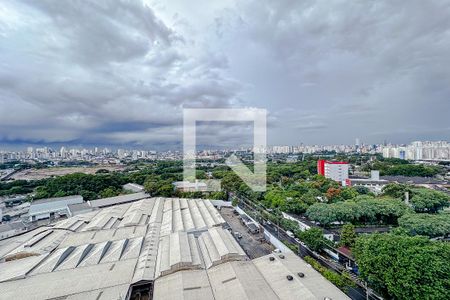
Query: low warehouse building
{"x": 52, "y": 207}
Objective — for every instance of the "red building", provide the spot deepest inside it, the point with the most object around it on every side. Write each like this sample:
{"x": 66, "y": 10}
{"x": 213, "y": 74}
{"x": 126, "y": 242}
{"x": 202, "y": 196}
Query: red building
{"x": 321, "y": 167}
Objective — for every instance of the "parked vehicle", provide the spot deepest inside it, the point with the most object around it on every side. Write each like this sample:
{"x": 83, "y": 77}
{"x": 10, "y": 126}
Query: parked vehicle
{"x": 253, "y": 228}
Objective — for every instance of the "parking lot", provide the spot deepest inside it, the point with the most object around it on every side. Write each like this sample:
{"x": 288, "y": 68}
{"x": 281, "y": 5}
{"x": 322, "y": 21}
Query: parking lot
{"x": 253, "y": 244}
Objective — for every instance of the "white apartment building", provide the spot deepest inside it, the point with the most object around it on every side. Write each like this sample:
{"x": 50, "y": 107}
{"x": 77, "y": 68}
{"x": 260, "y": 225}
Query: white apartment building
{"x": 419, "y": 151}
{"x": 335, "y": 170}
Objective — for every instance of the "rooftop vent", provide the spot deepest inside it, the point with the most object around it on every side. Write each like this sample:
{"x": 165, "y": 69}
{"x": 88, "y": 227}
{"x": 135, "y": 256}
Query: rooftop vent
{"x": 281, "y": 256}
{"x": 300, "y": 274}
{"x": 289, "y": 277}
{"x": 271, "y": 258}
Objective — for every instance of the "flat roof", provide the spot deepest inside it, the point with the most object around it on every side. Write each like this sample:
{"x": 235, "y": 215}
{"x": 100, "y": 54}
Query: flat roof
{"x": 79, "y": 207}
{"x": 56, "y": 199}
{"x": 118, "y": 199}
{"x": 11, "y": 226}
{"x": 188, "y": 184}
{"x": 53, "y": 204}
{"x": 133, "y": 187}
{"x": 312, "y": 286}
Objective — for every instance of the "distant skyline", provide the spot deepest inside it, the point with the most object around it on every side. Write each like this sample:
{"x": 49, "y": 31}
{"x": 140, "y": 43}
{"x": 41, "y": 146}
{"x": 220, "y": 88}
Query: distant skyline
{"x": 57, "y": 146}
{"x": 119, "y": 73}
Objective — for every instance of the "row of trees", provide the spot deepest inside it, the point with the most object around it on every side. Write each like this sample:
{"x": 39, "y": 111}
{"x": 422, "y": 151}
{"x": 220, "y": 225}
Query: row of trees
{"x": 361, "y": 210}
{"x": 421, "y": 199}
{"x": 401, "y": 167}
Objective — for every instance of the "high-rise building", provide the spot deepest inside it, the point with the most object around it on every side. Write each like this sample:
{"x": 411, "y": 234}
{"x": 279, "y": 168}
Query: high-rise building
{"x": 419, "y": 151}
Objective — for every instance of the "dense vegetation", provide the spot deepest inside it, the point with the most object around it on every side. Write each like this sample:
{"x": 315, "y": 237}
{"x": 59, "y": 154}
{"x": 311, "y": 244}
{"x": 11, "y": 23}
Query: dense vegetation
{"x": 404, "y": 267}
{"x": 89, "y": 186}
{"x": 103, "y": 184}
{"x": 17, "y": 187}
{"x": 426, "y": 200}
{"x": 401, "y": 167}
{"x": 360, "y": 210}
{"x": 432, "y": 225}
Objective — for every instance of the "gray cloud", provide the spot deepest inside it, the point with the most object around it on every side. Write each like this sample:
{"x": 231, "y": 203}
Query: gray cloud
{"x": 121, "y": 71}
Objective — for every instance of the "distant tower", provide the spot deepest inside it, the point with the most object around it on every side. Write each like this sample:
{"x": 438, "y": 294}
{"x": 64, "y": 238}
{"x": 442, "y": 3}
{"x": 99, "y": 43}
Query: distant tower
{"x": 357, "y": 142}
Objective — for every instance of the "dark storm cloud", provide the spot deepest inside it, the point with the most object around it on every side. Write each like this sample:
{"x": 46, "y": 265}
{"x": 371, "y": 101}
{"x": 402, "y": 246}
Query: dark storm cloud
{"x": 120, "y": 72}
{"x": 104, "y": 71}
{"x": 361, "y": 67}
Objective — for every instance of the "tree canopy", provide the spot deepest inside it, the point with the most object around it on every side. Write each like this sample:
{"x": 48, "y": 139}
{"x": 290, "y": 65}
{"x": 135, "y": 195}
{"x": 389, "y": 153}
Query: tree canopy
{"x": 348, "y": 235}
{"x": 426, "y": 200}
{"x": 432, "y": 225}
{"x": 313, "y": 238}
{"x": 404, "y": 267}
{"x": 361, "y": 210}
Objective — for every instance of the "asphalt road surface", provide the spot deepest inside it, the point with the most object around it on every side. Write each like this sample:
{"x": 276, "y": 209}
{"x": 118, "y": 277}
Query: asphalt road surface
{"x": 251, "y": 243}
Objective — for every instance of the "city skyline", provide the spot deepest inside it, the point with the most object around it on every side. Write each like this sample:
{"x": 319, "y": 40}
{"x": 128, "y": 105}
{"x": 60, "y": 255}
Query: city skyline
{"x": 326, "y": 72}
{"x": 204, "y": 147}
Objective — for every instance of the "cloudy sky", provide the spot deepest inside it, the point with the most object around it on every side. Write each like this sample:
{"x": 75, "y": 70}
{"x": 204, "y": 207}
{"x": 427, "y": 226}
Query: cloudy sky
{"x": 120, "y": 72}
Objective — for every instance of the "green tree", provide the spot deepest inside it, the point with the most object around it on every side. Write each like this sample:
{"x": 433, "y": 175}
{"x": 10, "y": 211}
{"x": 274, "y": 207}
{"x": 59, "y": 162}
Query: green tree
{"x": 362, "y": 190}
{"x": 363, "y": 209}
{"x": 403, "y": 267}
{"x": 313, "y": 238}
{"x": 59, "y": 194}
{"x": 426, "y": 200}
{"x": 396, "y": 190}
{"x": 88, "y": 195}
{"x": 151, "y": 187}
{"x": 348, "y": 235}
{"x": 349, "y": 193}
{"x": 109, "y": 192}
{"x": 432, "y": 225}
{"x": 166, "y": 190}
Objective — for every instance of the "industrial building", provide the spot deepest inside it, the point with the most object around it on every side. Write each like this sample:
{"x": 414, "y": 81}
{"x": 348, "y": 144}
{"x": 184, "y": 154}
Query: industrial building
{"x": 186, "y": 186}
{"x": 121, "y": 199}
{"x": 374, "y": 183}
{"x": 155, "y": 248}
{"x": 52, "y": 207}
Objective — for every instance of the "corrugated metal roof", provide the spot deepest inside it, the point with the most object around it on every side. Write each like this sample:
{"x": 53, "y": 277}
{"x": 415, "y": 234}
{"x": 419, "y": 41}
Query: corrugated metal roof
{"x": 177, "y": 243}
